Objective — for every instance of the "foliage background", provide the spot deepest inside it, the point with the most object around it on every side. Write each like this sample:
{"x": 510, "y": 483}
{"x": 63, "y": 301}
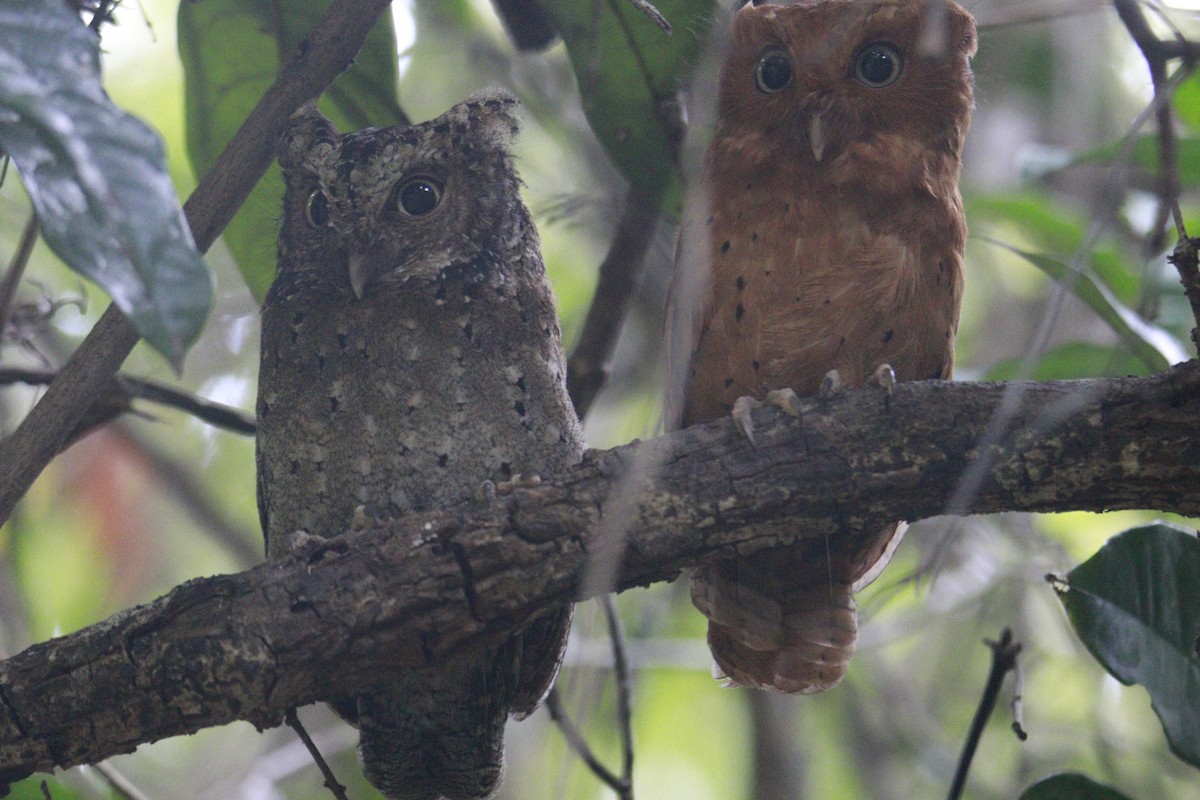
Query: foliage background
{"x": 146, "y": 503}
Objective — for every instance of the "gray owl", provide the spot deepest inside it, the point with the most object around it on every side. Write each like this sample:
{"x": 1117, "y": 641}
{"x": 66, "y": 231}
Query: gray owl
{"x": 410, "y": 352}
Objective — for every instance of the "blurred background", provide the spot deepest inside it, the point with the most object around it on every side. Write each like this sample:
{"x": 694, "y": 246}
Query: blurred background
{"x": 154, "y": 499}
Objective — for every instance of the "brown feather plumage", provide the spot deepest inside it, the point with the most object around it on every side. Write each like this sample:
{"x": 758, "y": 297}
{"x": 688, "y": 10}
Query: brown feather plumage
{"x": 827, "y": 233}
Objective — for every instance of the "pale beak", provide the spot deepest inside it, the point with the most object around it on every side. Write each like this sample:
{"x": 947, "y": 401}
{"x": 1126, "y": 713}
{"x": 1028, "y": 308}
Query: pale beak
{"x": 359, "y": 274}
{"x": 816, "y": 135}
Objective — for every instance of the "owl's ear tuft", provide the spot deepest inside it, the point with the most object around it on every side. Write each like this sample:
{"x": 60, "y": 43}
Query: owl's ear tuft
{"x": 492, "y": 117}
{"x": 962, "y": 30}
{"x": 306, "y": 128}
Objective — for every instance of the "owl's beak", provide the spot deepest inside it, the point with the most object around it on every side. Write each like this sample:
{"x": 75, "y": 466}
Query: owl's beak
{"x": 816, "y": 135}
{"x": 359, "y": 274}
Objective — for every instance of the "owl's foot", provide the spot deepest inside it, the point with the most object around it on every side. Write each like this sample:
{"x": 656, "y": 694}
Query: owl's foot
{"x": 783, "y": 399}
{"x": 309, "y": 547}
{"x": 831, "y": 384}
{"x": 361, "y": 520}
{"x": 885, "y": 377}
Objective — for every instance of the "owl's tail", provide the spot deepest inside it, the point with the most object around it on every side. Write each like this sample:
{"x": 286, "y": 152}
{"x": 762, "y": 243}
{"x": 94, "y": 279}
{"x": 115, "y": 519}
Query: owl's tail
{"x": 784, "y": 619}
{"x": 438, "y": 738}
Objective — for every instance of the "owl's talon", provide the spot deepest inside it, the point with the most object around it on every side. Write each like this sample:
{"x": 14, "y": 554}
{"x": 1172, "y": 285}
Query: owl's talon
{"x": 743, "y": 407}
{"x": 831, "y": 384}
{"x": 785, "y": 400}
{"x": 885, "y": 376}
{"x": 361, "y": 520}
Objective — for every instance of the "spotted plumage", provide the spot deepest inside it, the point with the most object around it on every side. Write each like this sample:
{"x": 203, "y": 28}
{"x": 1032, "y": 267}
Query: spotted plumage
{"x": 826, "y": 233}
{"x": 410, "y": 352}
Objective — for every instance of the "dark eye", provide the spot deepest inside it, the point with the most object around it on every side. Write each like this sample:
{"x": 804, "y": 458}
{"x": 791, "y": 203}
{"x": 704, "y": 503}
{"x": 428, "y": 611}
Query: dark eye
{"x": 317, "y": 209}
{"x": 878, "y": 65}
{"x": 418, "y": 196}
{"x": 773, "y": 72}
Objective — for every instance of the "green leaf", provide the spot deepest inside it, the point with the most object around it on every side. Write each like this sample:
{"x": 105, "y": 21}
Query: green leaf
{"x": 629, "y": 72}
{"x": 1054, "y": 229}
{"x": 31, "y": 789}
{"x": 1070, "y": 361}
{"x": 97, "y": 176}
{"x": 232, "y": 51}
{"x": 1070, "y": 786}
{"x": 1144, "y": 154}
{"x": 1187, "y": 101}
{"x": 1136, "y": 606}
{"x": 1156, "y": 348}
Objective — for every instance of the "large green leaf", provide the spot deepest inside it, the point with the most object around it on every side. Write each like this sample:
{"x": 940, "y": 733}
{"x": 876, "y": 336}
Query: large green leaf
{"x": 1156, "y": 347}
{"x": 1070, "y": 786}
{"x": 629, "y": 72}
{"x": 97, "y": 176}
{"x": 1052, "y": 228}
{"x": 1071, "y": 361}
{"x": 1136, "y": 606}
{"x": 231, "y": 52}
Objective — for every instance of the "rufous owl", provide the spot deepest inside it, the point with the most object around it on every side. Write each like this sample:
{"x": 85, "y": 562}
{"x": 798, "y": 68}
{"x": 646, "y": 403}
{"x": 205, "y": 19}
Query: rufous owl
{"x": 410, "y": 354}
{"x": 823, "y": 242}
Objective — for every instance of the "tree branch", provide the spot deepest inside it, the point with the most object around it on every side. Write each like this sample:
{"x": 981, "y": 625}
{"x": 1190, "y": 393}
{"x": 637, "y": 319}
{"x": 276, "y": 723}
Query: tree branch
{"x": 348, "y": 613}
{"x": 1157, "y": 53}
{"x": 16, "y": 269}
{"x": 216, "y": 414}
{"x": 329, "y": 48}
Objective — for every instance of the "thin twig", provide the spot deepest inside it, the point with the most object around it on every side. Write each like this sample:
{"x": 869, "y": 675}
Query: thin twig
{"x": 1018, "y": 702}
{"x": 16, "y": 269}
{"x": 1130, "y": 12}
{"x": 118, "y": 782}
{"x": 331, "y": 781}
{"x": 577, "y": 743}
{"x": 589, "y": 366}
{"x": 653, "y": 14}
{"x": 1157, "y": 53}
{"x": 102, "y": 14}
{"x": 329, "y": 48}
{"x": 216, "y": 414}
{"x": 624, "y": 691}
{"x": 621, "y": 784}
{"x": 1004, "y": 658}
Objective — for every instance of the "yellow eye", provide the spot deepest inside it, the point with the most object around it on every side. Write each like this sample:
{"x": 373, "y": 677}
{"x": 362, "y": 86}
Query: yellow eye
{"x": 878, "y": 65}
{"x": 773, "y": 71}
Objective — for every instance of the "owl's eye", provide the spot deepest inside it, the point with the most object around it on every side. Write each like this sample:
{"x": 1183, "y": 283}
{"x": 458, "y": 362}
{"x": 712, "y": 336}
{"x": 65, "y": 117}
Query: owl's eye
{"x": 418, "y": 197}
{"x": 773, "y": 72}
{"x": 878, "y": 65}
{"x": 316, "y": 211}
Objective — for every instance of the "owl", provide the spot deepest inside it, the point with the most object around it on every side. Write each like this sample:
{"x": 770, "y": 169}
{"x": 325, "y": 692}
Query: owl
{"x": 823, "y": 245}
{"x": 411, "y": 353}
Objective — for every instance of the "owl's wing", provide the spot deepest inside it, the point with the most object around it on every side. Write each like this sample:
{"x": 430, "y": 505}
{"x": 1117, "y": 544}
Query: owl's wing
{"x": 689, "y": 305}
{"x": 543, "y": 643}
{"x": 262, "y": 493}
